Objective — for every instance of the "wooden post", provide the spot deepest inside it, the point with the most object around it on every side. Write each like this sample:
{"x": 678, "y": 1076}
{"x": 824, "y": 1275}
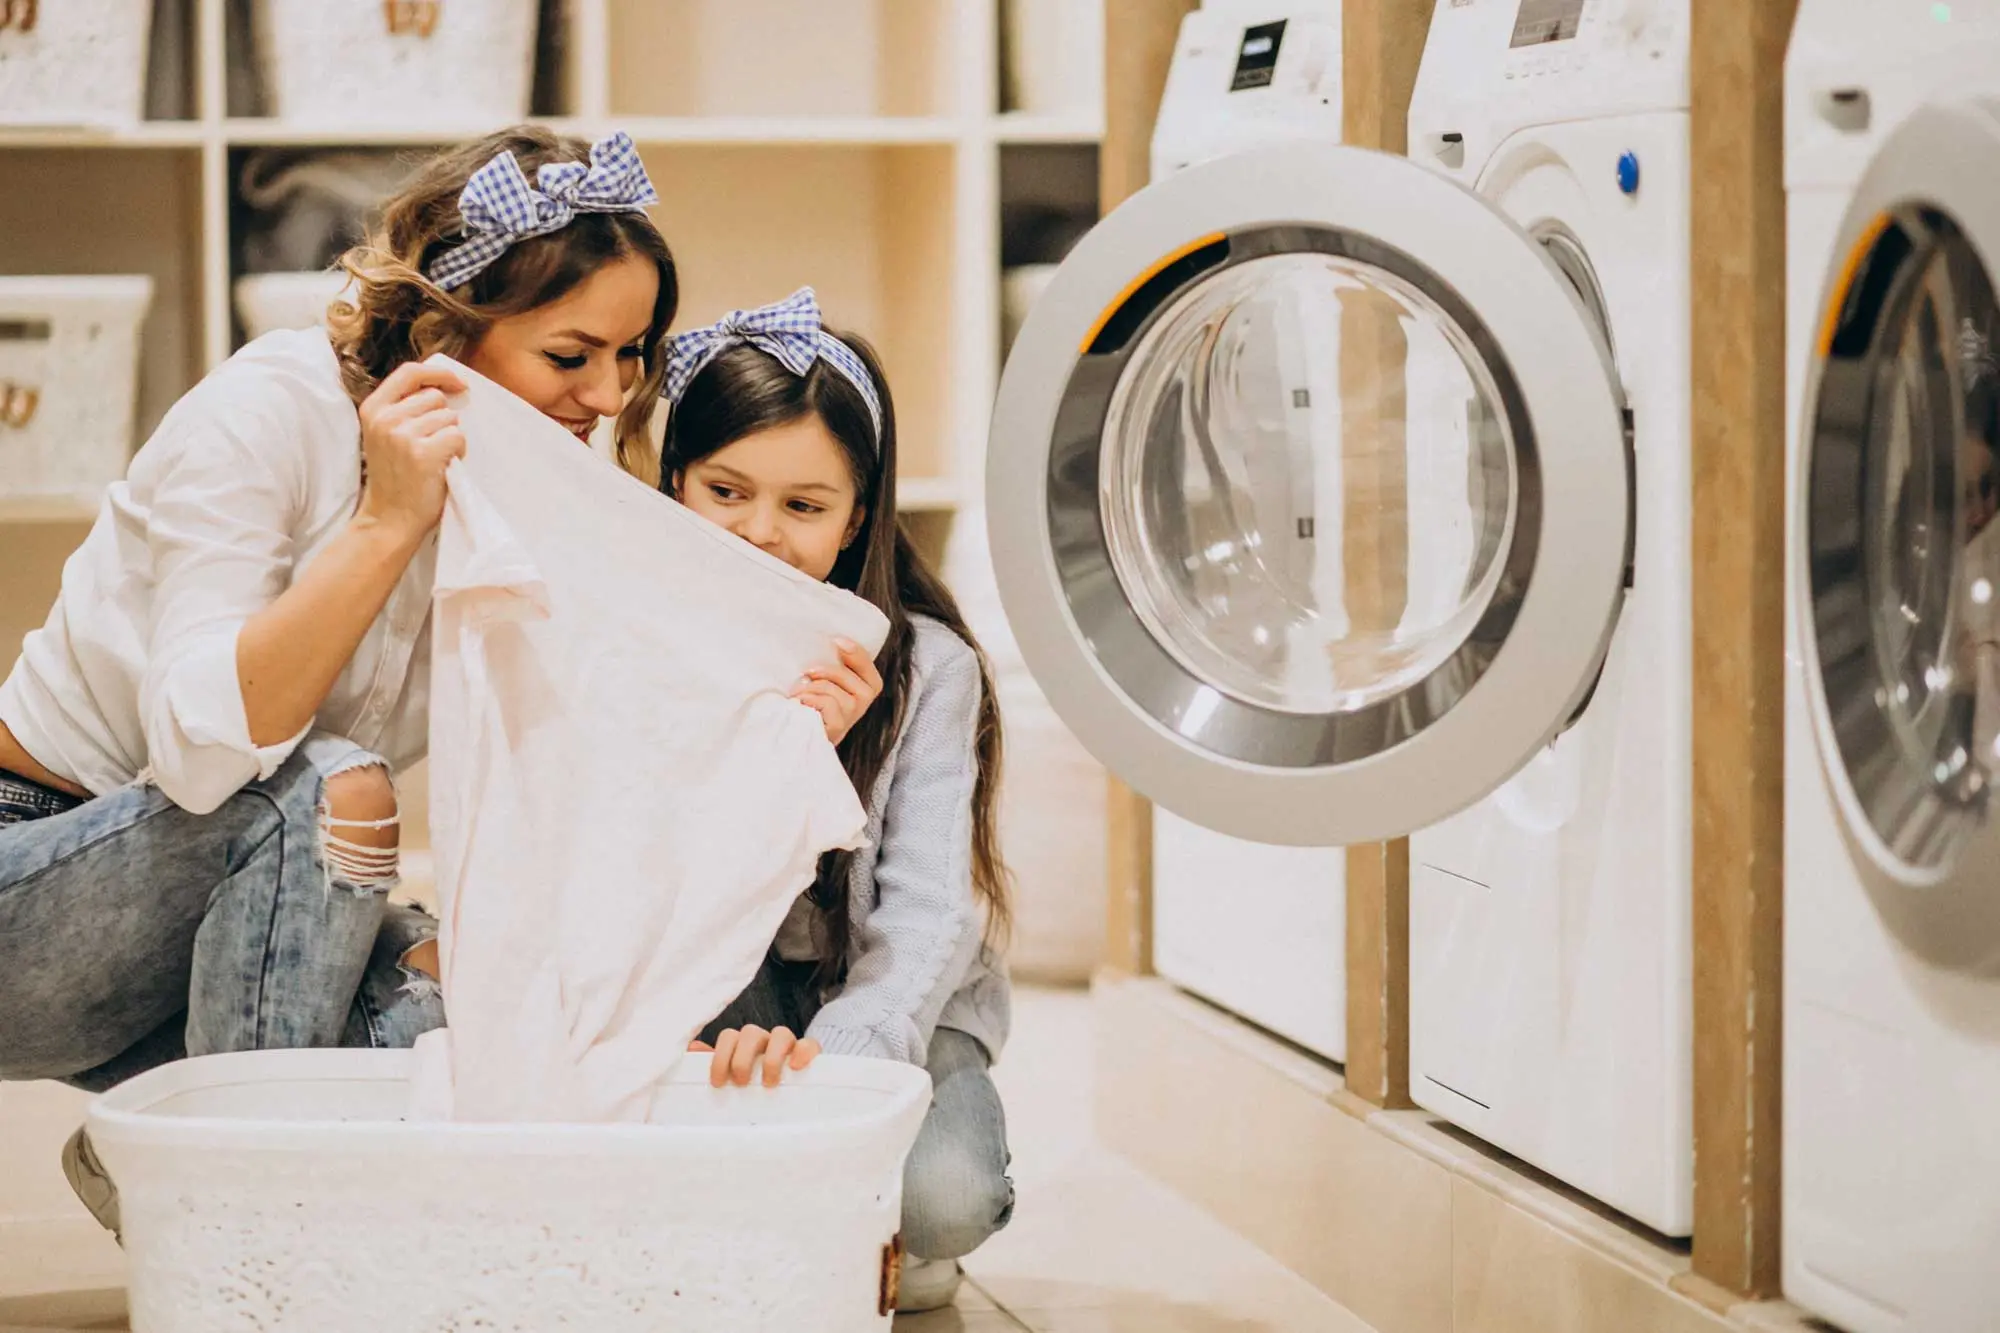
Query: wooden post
{"x": 1738, "y": 237}
{"x": 1382, "y": 41}
{"x": 1139, "y": 38}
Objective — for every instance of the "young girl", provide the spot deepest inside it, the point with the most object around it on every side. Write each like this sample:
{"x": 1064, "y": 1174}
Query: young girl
{"x": 197, "y": 818}
{"x": 785, "y": 435}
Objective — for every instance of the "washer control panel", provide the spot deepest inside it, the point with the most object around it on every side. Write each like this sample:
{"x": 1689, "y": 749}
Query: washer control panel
{"x": 1494, "y": 67}
{"x": 1246, "y": 73}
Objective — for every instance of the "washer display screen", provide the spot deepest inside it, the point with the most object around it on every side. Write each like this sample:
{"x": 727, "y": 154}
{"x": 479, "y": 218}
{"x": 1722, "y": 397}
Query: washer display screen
{"x": 1542, "y": 21}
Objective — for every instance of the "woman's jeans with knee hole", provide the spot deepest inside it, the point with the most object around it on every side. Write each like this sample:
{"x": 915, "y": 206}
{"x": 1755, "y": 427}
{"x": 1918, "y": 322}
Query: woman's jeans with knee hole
{"x": 956, "y": 1192}
{"x": 133, "y": 933}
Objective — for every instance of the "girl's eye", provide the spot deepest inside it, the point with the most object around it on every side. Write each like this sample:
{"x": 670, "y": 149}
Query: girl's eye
{"x": 806, "y": 507}
{"x": 567, "y": 362}
{"x": 721, "y": 492}
{"x": 632, "y": 353}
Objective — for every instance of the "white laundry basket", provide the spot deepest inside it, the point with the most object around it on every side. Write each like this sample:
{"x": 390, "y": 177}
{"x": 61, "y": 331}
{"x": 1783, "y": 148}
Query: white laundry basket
{"x": 268, "y": 301}
{"x": 69, "y": 378}
{"x": 454, "y": 64}
{"x": 281, "y": 1192}
{"x": 74, "y": 62}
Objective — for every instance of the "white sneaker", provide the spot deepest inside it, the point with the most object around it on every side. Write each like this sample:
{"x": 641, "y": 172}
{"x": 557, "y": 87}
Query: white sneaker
{"x": 928, "y": 1284}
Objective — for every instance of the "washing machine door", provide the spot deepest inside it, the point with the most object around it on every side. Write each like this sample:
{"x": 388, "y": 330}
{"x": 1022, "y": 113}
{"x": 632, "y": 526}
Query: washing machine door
{"x": 1898, "y": 572}
{"x": 1308, "y": 495}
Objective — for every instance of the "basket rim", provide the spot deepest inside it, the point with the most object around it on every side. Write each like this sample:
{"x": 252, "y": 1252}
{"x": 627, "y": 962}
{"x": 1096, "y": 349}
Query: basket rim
{"x": 126, "y": 1116}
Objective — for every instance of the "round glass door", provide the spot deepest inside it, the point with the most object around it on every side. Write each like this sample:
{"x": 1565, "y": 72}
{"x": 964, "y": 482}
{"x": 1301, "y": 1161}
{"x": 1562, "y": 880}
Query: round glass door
{"x": 1903, "y": 552}
{"x": 1307, "y": 494}
{"x": 1235, "y": 470}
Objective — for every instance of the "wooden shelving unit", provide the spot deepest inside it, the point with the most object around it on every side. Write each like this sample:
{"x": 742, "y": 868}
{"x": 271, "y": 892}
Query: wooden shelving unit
{"x": 851, "y": 144}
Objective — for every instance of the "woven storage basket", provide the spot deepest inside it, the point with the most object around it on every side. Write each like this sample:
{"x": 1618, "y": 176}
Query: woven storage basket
{"x": 69, "y": 376}
{"x": 456, "y": 64}
{"x": 74, "y": 62}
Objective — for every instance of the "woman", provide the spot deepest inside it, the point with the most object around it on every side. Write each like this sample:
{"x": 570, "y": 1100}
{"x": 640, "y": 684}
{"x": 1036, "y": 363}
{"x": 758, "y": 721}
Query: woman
{"x": 198, "y": 822}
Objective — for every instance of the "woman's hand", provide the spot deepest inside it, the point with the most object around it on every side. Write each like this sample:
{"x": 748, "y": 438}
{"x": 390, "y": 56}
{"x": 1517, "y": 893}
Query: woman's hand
{"x": 841, "y": 694}
{"x": 409, "y": 435}
{"x": 739, "y": 1053}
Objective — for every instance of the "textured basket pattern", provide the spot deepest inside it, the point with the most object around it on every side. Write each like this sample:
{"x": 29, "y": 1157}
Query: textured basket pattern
{"x": 449, "y": 62}
{"x": 73, "y": 62}
{"x": 69, "y": 372}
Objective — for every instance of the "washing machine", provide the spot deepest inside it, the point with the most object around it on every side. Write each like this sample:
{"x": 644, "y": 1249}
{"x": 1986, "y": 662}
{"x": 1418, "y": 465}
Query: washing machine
{"x": 1892, "y": 850}
{"x": 1258, "y": 929}
{"x": 1551, "y": 955}
{"x": 1309, "y": 491}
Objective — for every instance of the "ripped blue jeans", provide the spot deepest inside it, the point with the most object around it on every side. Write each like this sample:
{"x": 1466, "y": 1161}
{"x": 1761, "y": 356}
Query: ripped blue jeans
{"x": 133, "y": 933}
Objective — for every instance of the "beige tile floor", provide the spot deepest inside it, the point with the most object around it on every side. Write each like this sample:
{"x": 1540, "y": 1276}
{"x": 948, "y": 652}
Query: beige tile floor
{"x": 1095, "y": 1246}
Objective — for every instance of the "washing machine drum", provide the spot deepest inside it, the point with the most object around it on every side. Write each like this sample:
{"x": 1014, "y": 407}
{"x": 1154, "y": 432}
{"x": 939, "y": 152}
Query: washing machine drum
{"x": 1901, "y": 463}
{"x": 1309, "y": 496}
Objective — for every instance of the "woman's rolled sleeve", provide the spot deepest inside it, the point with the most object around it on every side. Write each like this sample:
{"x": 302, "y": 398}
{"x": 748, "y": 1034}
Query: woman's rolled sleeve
{"x": 218, "y": 533}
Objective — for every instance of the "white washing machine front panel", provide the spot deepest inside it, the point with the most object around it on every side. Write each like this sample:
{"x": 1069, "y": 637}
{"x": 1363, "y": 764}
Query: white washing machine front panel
{"x": 1892, "y": 923}
{"x": 1257, "y": 929}
{"x": 1550, "y": 931}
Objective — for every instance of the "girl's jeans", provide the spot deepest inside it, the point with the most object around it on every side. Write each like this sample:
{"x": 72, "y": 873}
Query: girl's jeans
{"x": 133, "y": 933}
{"x": 956, "y": 1193}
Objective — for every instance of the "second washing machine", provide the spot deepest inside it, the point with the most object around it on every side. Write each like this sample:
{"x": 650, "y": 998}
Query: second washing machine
{"x": 1551, "y": 963}
{"x": 1892, "y": 717}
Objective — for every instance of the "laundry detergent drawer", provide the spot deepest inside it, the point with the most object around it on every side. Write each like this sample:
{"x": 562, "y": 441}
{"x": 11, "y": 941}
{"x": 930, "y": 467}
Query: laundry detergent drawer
{"x": 284, "y": 1190}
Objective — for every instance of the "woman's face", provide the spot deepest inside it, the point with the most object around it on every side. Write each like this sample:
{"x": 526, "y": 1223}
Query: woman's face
{"x": 576, "y": 358}
{"x": 786, "y": 490}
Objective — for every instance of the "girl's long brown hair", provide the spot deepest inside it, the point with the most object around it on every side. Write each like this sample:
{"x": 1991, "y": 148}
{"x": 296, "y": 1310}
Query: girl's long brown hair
{"x": 743, "y": 391}
{"x": 397, "y": 314}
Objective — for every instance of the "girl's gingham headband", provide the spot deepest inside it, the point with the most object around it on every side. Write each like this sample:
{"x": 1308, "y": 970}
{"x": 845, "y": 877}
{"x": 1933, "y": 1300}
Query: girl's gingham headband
{"x": 789, "y": 330}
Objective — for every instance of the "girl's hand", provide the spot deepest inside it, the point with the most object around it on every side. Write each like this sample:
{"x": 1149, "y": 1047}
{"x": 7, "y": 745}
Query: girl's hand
{"x": 841, "y": 694}
{"x": 409, "y": 435}
{"x": 740, "y": 1052}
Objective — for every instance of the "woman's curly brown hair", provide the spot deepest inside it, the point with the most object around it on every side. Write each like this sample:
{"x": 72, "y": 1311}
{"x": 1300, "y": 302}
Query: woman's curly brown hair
{"x": 396, "y": 314}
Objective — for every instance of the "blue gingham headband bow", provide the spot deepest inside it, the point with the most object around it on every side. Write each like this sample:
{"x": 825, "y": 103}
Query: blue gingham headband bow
{"x": 789, "y": 330}
{"x": 500, "y": 208}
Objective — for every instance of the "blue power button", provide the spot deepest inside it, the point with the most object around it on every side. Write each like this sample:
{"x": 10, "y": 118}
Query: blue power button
{"x": 1628, "y": 173}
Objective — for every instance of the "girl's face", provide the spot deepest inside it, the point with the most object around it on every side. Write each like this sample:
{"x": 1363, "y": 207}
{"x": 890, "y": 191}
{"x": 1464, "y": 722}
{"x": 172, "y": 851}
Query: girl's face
{"x": 576, "y": 358}
{"x": 786, "y": 490}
